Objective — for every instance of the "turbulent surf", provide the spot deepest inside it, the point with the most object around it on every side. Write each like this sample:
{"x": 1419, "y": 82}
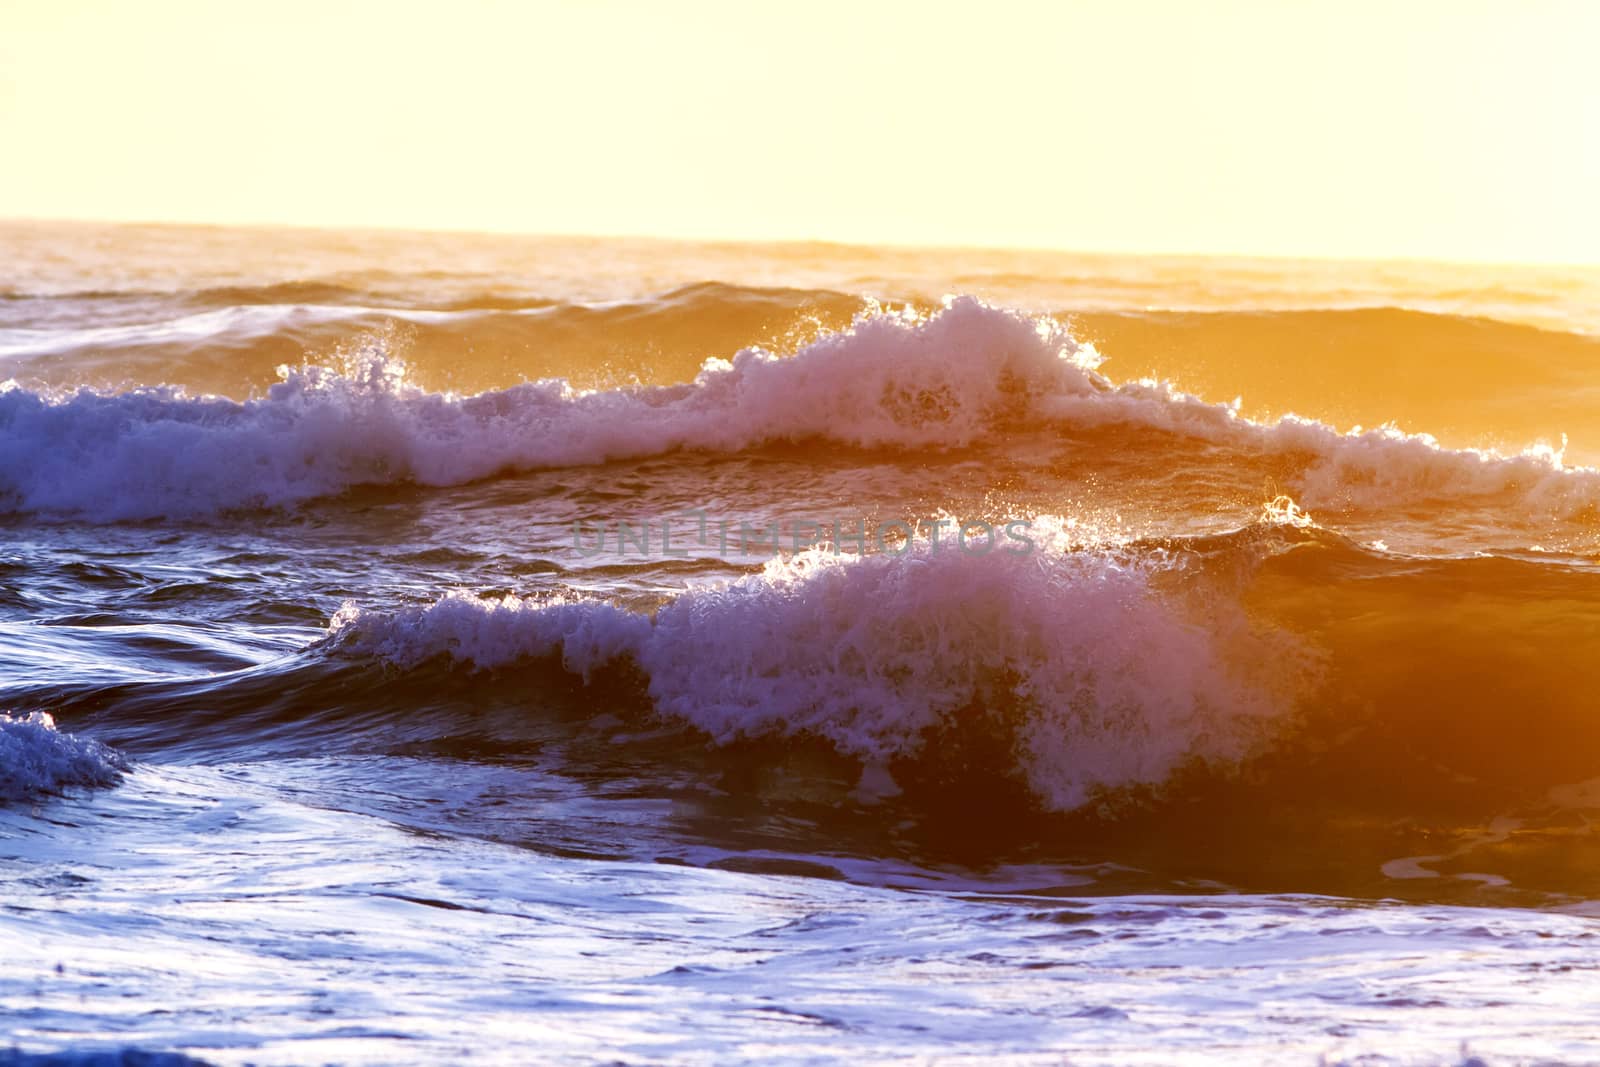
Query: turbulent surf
{"x": 1010, "y": 615}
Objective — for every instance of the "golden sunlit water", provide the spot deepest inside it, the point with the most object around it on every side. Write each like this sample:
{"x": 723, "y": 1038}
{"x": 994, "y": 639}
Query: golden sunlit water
{"x": 607, "y": 533}
{"x": 489, "y": 647}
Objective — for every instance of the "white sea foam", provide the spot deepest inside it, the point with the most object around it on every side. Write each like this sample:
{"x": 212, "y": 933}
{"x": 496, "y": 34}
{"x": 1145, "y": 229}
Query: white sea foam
{"x": 1105, "y": 681}
{"x": 356, "y": 939}
{"x": 38, "y": 759}
{"x": 904, "y": 381}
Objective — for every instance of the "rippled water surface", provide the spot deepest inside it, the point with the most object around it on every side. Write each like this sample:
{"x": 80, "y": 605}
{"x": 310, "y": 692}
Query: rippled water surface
{"x": 418, "y": 648}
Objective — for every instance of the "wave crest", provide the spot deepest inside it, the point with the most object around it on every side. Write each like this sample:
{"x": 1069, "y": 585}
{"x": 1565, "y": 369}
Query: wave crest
{"x": 36, "y": 759}
{"x": 950, "y": 379}
{"x": 1092, "y": 676}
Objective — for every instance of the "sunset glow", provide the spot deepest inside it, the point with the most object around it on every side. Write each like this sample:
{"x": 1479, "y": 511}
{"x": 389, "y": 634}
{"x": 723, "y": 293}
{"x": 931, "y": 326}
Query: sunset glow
{"x": 1438, "y": 130}
{"x": 763, "y": 534}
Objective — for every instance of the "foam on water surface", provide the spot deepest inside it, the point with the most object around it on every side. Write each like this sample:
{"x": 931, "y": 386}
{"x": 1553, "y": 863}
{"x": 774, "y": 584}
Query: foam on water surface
{"x": 37, "y": 759}
{"x": 357, "y": 942}
{"x": 962, "y": 377}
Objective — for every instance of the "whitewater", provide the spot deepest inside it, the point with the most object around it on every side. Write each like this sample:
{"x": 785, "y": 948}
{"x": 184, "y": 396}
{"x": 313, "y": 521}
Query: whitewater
{"x": 427, "y": 648}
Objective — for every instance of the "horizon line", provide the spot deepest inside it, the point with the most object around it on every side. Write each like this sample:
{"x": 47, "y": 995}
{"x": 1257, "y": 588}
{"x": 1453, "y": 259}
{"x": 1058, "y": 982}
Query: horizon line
{"x": 826, "y": 242}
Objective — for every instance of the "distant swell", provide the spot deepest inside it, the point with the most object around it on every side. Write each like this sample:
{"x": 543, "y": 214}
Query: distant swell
{"x": 230, "y": 341}
{"x": 954, "y": 379}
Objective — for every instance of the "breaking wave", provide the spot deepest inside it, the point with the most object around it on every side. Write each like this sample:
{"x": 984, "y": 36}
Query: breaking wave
{"x": 1075, "y": 662}
{"x": 957, "y": 378}
{"x": 37, "y": 759}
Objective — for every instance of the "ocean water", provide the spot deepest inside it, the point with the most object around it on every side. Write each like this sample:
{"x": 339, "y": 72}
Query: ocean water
{"x": 447, "y": 648}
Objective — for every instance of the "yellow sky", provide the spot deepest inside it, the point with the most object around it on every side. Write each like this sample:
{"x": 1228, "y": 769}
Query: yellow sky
{"x": 1448, "y": 130}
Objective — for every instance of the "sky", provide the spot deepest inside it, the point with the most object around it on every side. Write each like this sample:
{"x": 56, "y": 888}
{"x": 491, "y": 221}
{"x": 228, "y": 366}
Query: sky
{"x": 1459, "y": 130}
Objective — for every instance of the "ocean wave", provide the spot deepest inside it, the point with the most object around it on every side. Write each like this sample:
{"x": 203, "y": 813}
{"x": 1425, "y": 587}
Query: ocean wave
{"x": 287, "y": 292}
{"x": 1219, "y": 702}
{"x": 1327, "y": 671}
{"x": 36, "y": 759}
{"x": 230, "y": 342}
{"x": 901, "y": 660}
{"x": 963, "y": 376}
